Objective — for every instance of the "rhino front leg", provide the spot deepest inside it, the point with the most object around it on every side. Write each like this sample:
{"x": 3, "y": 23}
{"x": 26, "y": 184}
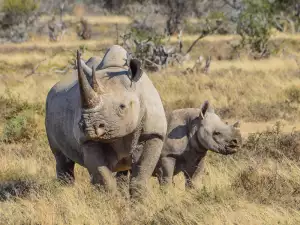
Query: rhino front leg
{"x": 193, "y": 175}
{"x": 167, "y": 170}
{"x": 64, "y": 168}
{"x": 144, "y": 167}
{"x": 94, "y": 161}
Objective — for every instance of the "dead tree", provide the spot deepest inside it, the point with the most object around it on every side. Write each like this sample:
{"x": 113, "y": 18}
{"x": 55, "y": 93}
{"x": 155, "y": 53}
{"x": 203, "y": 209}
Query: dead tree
{"x": 56, "y": 29}
{"x": 177, "y": 11}
{"x": 156, "y": 56}
{"x": 198, "y": 66}
{"x": 53, "y": 32}
{"x": 84, "y": 31}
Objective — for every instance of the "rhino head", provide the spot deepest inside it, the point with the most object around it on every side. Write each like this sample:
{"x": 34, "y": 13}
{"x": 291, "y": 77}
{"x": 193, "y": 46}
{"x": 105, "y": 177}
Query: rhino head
{"x": 215, "y": 135}
{"x": 112, "y": 111}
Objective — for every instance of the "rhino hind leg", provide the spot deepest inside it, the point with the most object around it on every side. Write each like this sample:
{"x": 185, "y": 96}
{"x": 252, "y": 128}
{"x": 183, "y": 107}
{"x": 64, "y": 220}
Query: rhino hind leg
{"x": 123, "y": 178}
{"x": 64, "y": 168}
{"x": 123, "y": 175}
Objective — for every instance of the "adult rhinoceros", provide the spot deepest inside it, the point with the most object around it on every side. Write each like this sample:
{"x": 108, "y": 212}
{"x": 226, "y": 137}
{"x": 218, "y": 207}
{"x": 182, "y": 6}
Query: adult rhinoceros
{"x": 109, "y": 119}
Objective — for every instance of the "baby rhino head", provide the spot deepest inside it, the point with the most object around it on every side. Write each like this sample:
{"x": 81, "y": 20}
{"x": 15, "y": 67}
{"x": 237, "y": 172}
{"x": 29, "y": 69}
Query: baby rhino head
{"x": 215, "y": 135}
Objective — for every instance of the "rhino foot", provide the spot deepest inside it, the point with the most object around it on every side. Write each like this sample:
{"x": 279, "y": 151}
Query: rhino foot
{"x": 137, "y": 190}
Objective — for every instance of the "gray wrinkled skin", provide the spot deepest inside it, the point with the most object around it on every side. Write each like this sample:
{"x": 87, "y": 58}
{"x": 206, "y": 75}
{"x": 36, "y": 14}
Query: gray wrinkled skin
{"x": 112, "y": 121}
{"x": 191, "y": 133}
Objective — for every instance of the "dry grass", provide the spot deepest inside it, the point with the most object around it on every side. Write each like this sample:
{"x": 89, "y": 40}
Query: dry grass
{"x": 258, "y": 185}
{"x": 94, "y": 20}
{"x": 249, "y": 188}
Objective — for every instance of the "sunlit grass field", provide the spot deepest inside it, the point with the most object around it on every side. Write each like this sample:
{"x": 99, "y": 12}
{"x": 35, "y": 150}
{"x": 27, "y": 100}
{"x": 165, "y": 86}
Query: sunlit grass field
{"x": 258, "y": 185}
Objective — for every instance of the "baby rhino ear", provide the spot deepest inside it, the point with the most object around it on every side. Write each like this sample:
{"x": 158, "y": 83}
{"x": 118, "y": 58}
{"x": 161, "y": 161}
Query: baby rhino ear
{"x": 204, "y": 109}
{"x": 237, "y": 124}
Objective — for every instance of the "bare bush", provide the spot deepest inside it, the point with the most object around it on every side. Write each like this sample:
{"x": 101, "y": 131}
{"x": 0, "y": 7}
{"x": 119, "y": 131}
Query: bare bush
{"x": 274, "y": 144}
{"x": 17, "y": 19}
{"x": 156, "y": 53}
{"x": 264, "y": 185}
{"x": 84, "y": 30}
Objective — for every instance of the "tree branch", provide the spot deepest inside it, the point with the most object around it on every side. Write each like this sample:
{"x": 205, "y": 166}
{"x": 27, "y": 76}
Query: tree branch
{"x": 204, "y": 34}
{"x": 232, "y": 5}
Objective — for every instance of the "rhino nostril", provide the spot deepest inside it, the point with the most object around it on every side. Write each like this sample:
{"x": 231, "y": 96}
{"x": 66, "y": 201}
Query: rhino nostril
{"x": 99, "y": 129}
{"x": 234, "y": 141}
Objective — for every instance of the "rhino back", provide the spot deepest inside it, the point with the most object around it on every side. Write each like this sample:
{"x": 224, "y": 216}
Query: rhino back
{"x": 180, "y": 123}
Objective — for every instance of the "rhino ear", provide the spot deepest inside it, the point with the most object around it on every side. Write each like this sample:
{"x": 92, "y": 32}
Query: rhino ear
{"x": 204, "y": 109}
{"x": 237, "y": 124}
{"x": 135, "y": 69}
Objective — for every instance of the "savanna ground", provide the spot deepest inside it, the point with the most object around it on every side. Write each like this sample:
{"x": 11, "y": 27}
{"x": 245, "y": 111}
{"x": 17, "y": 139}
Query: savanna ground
{"x": 258, "y": 185}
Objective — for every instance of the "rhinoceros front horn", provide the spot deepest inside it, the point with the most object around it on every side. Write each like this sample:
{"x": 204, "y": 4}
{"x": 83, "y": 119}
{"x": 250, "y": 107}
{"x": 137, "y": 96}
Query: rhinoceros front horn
{"x": 89, "y": 97}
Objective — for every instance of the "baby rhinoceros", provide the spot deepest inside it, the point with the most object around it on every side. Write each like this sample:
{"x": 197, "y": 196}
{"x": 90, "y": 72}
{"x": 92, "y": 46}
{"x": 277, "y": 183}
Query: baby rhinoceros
{"x": 191, "y": 133}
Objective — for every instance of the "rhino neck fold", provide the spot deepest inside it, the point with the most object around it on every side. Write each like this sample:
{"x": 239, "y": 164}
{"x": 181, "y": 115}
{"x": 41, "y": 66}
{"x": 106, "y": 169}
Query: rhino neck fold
{"x": 194, "y": 143}
{"x": 135, "y": 140}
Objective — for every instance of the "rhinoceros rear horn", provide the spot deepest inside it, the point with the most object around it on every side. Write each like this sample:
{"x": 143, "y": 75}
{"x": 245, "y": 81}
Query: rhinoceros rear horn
{"x": 89, "y": 97}
{"x": 135, "y": 68}
{"x": 95, "y": 85}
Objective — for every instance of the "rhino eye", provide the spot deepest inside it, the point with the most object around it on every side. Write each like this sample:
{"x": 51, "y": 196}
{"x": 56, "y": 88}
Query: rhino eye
{"x": 122, "y": 106}
{"x": 216, "y": 133}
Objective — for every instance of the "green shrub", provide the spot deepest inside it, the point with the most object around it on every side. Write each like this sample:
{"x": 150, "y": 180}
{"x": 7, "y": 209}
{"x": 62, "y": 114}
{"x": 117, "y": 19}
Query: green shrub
{"x": 11, "y": 106}
{"x": 254, "y": 25}
{"x": 19, "y": 118}
{"x": 20, "y": 128}
{"x": 20, "y": 6}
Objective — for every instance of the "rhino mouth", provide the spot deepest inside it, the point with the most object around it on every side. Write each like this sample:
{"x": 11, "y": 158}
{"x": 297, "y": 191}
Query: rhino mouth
{"x": 231, "y": 149}
{"x": 228, "y": 149}
{"x": 104, "y": 138}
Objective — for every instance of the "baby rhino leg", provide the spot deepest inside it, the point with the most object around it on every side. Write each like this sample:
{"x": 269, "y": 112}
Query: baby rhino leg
{"x": 167, "y": 170}
{"x": 193, "y": 174}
